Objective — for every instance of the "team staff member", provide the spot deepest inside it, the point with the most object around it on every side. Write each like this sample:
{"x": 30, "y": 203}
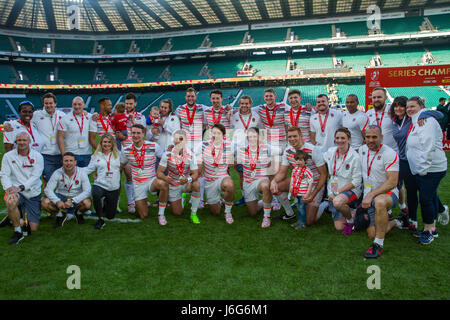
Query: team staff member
{"x": 182, "y": 175}
{"x": 169, "y": 123}
{"x": 24, "y": 124}
{"x": 73, "y": 191}
{"x": 380, "y": 167}
{"x": 106, "y": 162}
{"x": 281, "y": 182}
{"x": 21, "y": 179}
{"x": 255, "y": 159}
{"x": 324, "y": 124}
{"x": 297, "y": 115}
{"x": 73, "y": 133}
{"x": 217, "y": 157}
{"x": 344, "y": 182}
{"x": 355, "y": 121}
{"x": 428, "y": 163}
{"x": 142, "y": 155}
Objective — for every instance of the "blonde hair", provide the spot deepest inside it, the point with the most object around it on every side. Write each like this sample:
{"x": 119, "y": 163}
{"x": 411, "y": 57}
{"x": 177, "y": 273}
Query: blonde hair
{"x": 114, "y": 149}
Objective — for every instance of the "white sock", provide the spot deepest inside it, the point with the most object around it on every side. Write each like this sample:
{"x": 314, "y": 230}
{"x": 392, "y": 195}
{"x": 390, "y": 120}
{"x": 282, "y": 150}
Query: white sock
{"x": 69, "y": 216}
{"x": 267, "y": 208}
{"x": 201, "y": 180}
{"x": 402, "y": 205}
{"x": 161, "y": 208}
{"x": 379, "y": 241}
{"x": 18, "y": 229}
{"x": 228, "y": 206}
{"x": 350, "y": 220}
{"x": 60, "y": 214}
{"x": 283, "y": 199}
{"x": 129, "y": 191}
{"x": 195, "y": 200}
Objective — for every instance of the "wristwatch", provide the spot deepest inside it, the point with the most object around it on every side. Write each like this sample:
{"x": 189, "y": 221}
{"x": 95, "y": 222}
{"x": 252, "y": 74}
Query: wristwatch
{"x": 189, "y": 179}
{"x": 22, "y": 187}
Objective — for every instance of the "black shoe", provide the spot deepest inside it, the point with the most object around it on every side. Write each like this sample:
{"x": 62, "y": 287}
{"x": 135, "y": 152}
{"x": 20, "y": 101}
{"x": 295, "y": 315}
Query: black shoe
{"x": 5, "y": 222}
{"x": 80, "y": 218}
{"x": 16, "y": 238}
{"x": 284, "y": 216}
{"x": 374, "y": 251}
{"x": 403, "y": 220}
{"x": 60, "y": 221}
{"x": 100, "y": 224}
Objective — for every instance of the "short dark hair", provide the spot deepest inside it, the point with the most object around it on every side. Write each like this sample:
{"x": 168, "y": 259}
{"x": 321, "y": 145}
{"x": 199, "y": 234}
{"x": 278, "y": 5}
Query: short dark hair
{"x": 49, "y": 95}
{"x": 140, "y": 126}
{"x": 401, "y": 101}
{"x": 354, "y": 96}
{"x": 294, "y": 91}
{"x": 26, "y": 103}
{"x": 102, "y": 100}
{"x": 301, "y": 154}
{"x": 216, "y": 91}
{"x": 247, "y": 98}
{"x": 345, "y": 131}
{"x": 322, "y": 95}
{"x": 191, "y": 89}
{"x": 440, "y": 99}
{"x": 221, "y": 127}
{"x": 131, "y": 95}
{"x": 255, "y": 129}
{"x": 70, "y": 154}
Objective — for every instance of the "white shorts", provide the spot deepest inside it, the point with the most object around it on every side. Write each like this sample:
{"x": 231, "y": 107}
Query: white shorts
{"x": 141, "y": 190}
{"x": 250, "y": 190}
{"x": 318, "y": 198}
{"x": 213, "y": 190}
{"x": 175, "y": 192}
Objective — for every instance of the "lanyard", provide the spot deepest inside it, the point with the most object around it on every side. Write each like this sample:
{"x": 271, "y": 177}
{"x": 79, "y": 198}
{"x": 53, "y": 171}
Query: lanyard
{"x": 213, "y": 152}
{"x": 248, "y": 122}
{"x": 108, "y": 162}
{"x": 253, "y": 161}
{"x": 291, "y": 116}
{"x": 188, "y": 115}
{"x": 51, "y": 121}
{"x": 180, "y": 165}
{"x": 376, "y": 116}
{"x": 401, "y": 125}
{"x": 274, "y": 114}
{"x": 335, "y": 158}
{"x": 298, "y": 179}
{"x": 369, "y": 168}
{"x": 31, "y": 161}
{"x": 82, "y": 122}
{"x": 139, "y": 159}
{"x": 216, "y": 120}
{"x": 103, "y": 124}
{"x": 30, "y": 131}
{"x": 323, "y": 124}
{"x": 409, "y": 131}
{"x": 75, "y": 176}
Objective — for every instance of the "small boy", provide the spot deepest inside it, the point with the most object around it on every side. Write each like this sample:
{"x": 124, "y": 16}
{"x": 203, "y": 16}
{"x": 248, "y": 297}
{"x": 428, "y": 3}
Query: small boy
{"x": 153, "y": 124}
{"x": 119, "y": 123}
{"x": 301, "y": 186}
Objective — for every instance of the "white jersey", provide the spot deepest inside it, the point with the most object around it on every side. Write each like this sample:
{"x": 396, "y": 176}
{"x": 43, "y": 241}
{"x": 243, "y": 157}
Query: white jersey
{"x": 19, "y": 170}
{"x": 343, "y": 170}
{"x": 171, "y": 124}
{"x": 355, "y": 123}
{"x": 76, "y": 128}
{"x": 36, "y": 143}
{"x": 325, "y": 136}
{"x": 76, "y": 187}
{"x": 47, "y": 125}
{"x": 108, "y": 170}
{"x": 379, "y": 163}
{"x": 383, "y": 120}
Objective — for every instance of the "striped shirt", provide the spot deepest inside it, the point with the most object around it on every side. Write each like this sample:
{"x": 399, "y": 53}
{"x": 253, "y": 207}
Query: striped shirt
{"x": 211, "y": 117}
{"x": 315, "y": 159}
{"x": 147, "y": 170}
{"x": 307, "y": 178}
{"x": 193, "y": 129}
{"x": 215, "y": 169}
{"x": 273, "y": 121}
{"x": 302, "y": 122}
{"x": 102, "y": 125}
{"x": 262, "y": 160}
{"x": 170, "y": 161}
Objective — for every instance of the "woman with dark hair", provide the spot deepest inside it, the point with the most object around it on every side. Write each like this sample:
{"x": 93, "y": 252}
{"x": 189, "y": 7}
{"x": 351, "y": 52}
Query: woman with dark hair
{"x": 401, "y": 129}
{"x": 428, "y": 164}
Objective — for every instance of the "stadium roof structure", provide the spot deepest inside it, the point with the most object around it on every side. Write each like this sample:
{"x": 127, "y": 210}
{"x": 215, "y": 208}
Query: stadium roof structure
{"x": 154, "y": 16}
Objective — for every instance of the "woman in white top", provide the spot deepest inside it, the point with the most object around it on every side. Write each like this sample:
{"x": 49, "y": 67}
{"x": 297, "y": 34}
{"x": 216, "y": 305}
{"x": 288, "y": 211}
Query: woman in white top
{"x": 106, "y": 162}
{"x": 344, "y": 182}
{"x": 169, "y": 123}
{"x": 428, "y": 163}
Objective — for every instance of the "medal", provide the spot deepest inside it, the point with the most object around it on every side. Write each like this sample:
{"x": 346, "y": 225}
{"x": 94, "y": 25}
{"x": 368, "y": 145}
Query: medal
{"x": 323, "y": 124}
{"x": 139, "y": 159}
{"x": 219, "y": 156}
{"x": 274, "y": 114}
{"x": 253, "y": 174}
{"x": 253, "y": 161}
{"x": 291, "y": 116}
{"x": 180, "y": 165}
{"x": 322, "y": 134}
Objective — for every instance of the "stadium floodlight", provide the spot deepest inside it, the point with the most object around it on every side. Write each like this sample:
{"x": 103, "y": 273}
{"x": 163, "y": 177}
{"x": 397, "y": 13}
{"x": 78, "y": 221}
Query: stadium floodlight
{"x": 278, "y": 51}
{"x": 318, "y": 49}
{"x": 299, "y": 50}
{"x": 259, "y": 53}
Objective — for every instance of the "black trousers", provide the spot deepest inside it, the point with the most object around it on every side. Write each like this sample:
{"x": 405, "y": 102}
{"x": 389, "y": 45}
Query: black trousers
{"x": 109, "y": 207}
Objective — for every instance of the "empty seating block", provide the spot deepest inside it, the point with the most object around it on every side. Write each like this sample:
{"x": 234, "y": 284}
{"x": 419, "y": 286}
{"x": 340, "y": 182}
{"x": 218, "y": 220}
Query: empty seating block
{"x": 115, "y": 46}
{"x": 401, "y": 25}
{"x": 357, "y": 60}
{"x": 269, "y": 35}
{"x": 186, "y": 71}
{"x": 269, "y": 67}
{"x": 74, "y": 46}
{"x": 187, "y": 42}
{"x": 430, "y": 94}
{"x": 353, "y": 29}
{"x": 401, "y": 56}
{"x": 226, "y": 38}
{"x": 441, "y": 21}
{"x": 314, "y": 32}
{"x": 224, "y": 68}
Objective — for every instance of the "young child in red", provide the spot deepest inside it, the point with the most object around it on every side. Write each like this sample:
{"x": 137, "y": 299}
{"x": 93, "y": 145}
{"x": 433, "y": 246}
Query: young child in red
{"x": 119, "y": 123}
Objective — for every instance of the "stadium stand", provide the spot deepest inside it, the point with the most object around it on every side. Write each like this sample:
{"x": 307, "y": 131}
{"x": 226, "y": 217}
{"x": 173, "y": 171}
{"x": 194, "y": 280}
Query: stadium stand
{"x": 268, "y": 35}
{"x": 188, "y": 42}
{"x": 313, "y": 32}
{"x": 431, "y": 94}
{"x": 115, "y": 46}
{"x": 74, "y": 46}
{"x": 400, "y": 26}
{"x": 224, "y": 68}
{"x": 226, "y": 38}
{"x": 352, "y": 29}
{"x": 268, "y": 66}
{"x": 399, "y": 57}
{"x": 440, "y": 21}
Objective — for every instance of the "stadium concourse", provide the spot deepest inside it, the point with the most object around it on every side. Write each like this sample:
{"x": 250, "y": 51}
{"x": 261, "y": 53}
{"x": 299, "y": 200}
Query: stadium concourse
{"x": 296, "y": 62}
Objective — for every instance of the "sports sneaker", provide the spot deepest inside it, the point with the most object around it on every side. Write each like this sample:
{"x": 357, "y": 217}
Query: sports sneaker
{"x": 402, "y": 221}
{"x": 5, "y": 222}
{"x": 276, "y": 205}
{"x": 389, "y": 212}
{"x": 16, "y": 238}
{"x": 419, "y": 234}
{"x": 240, "y": 202}
{"x": 426, "y": 238}
{"x": 265, "y": 222}
{"x": 194, "y": 219}
{"x": 374, "y": 251}
{"x": 348, "y": 229}
{"x": 60, "y": 221}
{"x": 284, "y": 216}
{"x": 100, "y": 224}
{"x": 443, "y": 216}
{"x": 229, "y": 218}
{"x": 298, "y": 225}
{"x": 162, "y": 219}
{"x": 80, "y": 218}
{"x": 131, "y": 208}
{"x": 119, "y": 210}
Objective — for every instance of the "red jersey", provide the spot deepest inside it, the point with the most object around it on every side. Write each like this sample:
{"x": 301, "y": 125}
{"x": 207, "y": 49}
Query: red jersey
{"x": 119, "y": 121}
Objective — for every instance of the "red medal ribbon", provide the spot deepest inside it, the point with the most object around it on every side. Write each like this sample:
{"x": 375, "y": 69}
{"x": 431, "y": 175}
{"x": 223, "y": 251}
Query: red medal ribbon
{"x": 139, "y": 159}
{"x": 213, "y": 152}
{"x": 216, "y": 120}
{"x": 31, "y": 161}
{"x": 180, "y": 165}
{"x": 335, "y": 158}
{"x": 108, "y": 162}
{"x": 274, "y": 114}
{"x": 188, "y": 115}
{"x": 291, "y": 116}
{"x": 103, "y": 124}
{"x": 30, "y": 131}
{"x": 323, "y": 124}
{"x": 82, "y": 122}
{"x": 370, "y": 167}
{"x": 253, "y": 161}
{"x": 248, "y": 122}
{"x": 298, "y": 180}
{"x": 409, "y": 131}
{"x": 376, "y": 116}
